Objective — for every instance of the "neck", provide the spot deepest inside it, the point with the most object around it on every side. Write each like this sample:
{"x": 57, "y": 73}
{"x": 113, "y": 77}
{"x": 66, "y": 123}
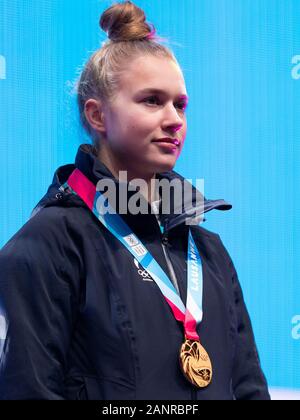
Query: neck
{"x": 115, "y": 166}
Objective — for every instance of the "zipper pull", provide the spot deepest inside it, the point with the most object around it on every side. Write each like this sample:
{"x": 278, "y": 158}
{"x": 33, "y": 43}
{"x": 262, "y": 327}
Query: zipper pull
{"x": 165, "y": 238}
{"x": 164, "y": 232}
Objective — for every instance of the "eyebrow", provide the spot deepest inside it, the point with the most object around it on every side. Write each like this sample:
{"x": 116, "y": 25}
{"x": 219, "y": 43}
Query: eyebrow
{"x": 160, "y": 91}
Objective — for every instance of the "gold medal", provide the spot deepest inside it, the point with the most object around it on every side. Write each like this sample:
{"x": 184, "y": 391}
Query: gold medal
{"x": 195, "y": 363}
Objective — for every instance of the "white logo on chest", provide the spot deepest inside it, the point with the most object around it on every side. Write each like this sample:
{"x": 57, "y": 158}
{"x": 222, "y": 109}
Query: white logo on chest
{"x": 143, "y": 273}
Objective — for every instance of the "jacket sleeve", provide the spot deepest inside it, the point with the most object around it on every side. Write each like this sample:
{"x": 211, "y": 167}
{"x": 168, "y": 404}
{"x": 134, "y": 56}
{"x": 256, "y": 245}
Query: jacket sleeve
{"x": 248, "y": 380}
{"x": 37, "y": 311}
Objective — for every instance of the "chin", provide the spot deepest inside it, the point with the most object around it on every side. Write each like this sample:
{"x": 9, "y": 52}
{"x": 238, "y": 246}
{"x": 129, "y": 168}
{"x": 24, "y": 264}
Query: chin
{"x": 164, "y": 166}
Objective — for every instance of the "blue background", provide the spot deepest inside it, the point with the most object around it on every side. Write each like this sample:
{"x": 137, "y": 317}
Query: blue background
{"x": 243, "y": 131}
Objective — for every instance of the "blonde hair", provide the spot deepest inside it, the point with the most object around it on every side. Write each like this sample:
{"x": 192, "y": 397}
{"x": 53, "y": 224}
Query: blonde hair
{"x": 130, "y": 36}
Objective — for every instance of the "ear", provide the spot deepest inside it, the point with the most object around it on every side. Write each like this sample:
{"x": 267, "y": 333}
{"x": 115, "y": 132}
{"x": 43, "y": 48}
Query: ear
{"x": 94, "y": 114}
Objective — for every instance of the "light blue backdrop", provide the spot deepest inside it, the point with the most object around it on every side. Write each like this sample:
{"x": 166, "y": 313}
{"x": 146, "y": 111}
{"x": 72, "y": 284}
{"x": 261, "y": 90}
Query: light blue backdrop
{"x": 241, "y": 60}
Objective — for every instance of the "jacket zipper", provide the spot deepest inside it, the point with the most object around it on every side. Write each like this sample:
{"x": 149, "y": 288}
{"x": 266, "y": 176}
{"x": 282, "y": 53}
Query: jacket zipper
{"x": 165, "y": 241}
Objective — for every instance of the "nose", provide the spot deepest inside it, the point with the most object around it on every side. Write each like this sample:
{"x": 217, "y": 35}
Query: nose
{"x": 172, "y": 120}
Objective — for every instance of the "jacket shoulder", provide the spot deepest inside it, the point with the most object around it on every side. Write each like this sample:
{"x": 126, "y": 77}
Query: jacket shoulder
{"x": 214, "y": 245}
{"x": 207, "y": 233}
{"x": 208, "y": 236}
{"x": 52, "y": 230}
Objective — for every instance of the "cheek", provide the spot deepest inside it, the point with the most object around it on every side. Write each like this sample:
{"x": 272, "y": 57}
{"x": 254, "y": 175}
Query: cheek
{"x": 141, "y": 125}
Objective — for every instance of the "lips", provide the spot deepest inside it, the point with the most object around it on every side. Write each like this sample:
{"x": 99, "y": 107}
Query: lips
{"x": 176, "y": 142}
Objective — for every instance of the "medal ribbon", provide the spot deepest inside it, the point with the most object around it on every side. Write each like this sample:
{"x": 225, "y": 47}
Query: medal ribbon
{"x": 191, "y": 315}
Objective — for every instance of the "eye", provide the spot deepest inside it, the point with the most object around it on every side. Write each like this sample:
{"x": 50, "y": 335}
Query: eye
{"x": 182, "y": 106}
{"x": 153, "y": 99}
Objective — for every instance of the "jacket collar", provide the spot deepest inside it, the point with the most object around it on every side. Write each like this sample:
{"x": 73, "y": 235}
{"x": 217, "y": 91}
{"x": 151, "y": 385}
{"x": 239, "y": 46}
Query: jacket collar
{"x": 87, "y": 162}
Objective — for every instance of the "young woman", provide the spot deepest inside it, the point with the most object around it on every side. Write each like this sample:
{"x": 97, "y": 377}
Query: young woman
{"x": 124, "y": 305}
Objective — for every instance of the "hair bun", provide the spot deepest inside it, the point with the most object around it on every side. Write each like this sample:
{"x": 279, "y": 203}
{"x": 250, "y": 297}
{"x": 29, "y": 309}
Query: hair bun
{"x": 126, "y": 22}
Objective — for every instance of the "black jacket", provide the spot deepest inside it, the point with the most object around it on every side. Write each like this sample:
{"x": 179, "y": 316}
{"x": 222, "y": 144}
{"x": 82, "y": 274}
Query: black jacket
{"x": 84, "y": 321}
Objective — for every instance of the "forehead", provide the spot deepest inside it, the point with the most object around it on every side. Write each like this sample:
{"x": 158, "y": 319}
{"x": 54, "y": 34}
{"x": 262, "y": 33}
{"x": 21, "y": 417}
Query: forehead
{"x": 153, "y": 72}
